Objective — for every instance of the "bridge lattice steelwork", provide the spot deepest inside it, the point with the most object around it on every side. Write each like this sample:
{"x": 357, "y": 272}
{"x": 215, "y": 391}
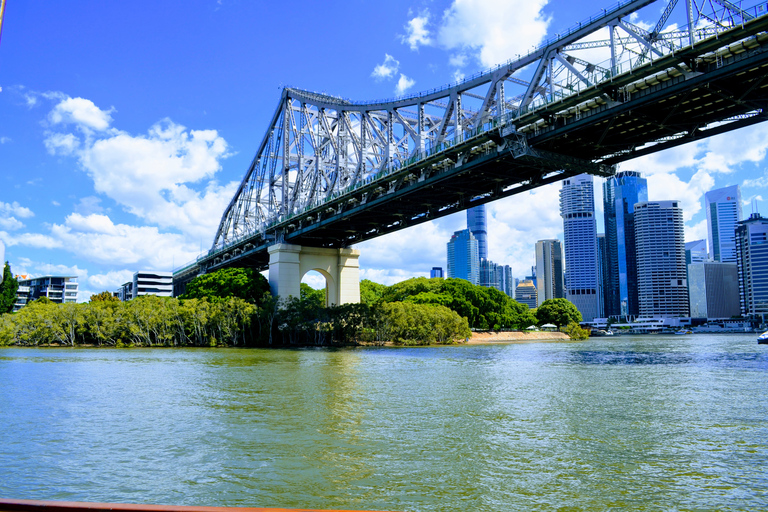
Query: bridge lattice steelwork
{"x": 332, "y": 172}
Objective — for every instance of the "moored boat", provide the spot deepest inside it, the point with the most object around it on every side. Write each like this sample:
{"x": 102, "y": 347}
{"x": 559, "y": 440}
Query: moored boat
{"x": 763, "y": 339}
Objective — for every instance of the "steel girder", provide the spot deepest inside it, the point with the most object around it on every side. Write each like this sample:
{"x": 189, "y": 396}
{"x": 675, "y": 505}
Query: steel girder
{"x": 318, "y": 146}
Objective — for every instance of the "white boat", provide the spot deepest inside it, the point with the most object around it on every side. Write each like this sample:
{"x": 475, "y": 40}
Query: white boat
{"x": 763, "y": 339}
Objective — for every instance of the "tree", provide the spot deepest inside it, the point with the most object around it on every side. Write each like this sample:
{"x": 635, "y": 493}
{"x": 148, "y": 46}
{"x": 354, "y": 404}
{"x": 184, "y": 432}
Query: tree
{"x": 370, "y": 292}
{"x": 245, "y": 283}
{"x": 8, "y": 289}
{"x": 315, "y": 297}
{"x": 104, "y": 297}
{"x": 559, "y": 312}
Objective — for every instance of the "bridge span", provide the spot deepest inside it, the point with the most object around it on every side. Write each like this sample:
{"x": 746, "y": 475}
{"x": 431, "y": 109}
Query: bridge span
{"x": 332, "y": 172}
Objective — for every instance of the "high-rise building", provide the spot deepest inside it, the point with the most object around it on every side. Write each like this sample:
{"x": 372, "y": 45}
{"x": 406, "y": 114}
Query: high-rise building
{"x": 752, "y": 262}
{"x": 549, "y": 270}
{"x": 525, "y": 293}
{"x": 488, "y": 277}
{"x": 713, "y": 289}
{"x": 723, "y": 208}
{"x": 620, "y": 194}
{"x": 577, "y": 208}
{"x": 436, "y": 272}
{"x": 505, "y": 279}
{"x": 695, "y": 251}
{"x": 602, "y": 275}
{"x": 476, "y": 223}
{"x": 2, "y": 260}
{"x": 463, "y": 260}
{"x": 661, "y": 270}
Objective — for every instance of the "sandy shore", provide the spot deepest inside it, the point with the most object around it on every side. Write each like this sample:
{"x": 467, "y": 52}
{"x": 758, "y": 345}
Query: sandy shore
{"x": 517, "y": 337}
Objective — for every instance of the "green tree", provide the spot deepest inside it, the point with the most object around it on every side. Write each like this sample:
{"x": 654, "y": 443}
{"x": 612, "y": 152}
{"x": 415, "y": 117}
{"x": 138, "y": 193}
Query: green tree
{"x": 104, "y": 296}
{"x": 8, "y": 289}
{"x": 557, "y": 311}
{"x": 370, "y": 292}
{"x": 576, "y": 332}
{"x": 245, "y": 283}
{"x": 315, "y": 297}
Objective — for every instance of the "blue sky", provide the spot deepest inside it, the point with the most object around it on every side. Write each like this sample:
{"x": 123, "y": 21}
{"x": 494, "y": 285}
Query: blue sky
{"x": 125, "y": 127}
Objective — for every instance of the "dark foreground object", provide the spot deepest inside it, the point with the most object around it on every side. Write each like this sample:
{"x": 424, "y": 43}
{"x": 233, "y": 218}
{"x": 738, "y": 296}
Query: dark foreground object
{"x": 77, "y": 506}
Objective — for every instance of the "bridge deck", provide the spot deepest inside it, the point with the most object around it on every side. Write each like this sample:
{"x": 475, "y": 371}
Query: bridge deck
{"x": 715, "y": 86}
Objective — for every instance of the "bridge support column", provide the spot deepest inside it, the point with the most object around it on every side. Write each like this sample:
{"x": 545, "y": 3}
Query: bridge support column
{"x": 288, "y": 264}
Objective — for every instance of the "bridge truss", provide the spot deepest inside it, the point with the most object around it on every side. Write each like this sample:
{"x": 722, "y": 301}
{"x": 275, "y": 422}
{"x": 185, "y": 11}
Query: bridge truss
{"x": 333, "y": 172}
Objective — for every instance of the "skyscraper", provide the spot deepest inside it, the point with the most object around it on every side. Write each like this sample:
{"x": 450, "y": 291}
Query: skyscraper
{"x": 463, "y": 261}
{"x": 577, "y": 208}
{"x": 752, "y": 264}
{"x": 602, "y": 274}
{"x": 525, "y": 293}
{"x": 549, "y": 270}
{"x": 620, "y": 194}
{"x": 723, "y": 208}
{"x": 713, "y": 289}
{"x": 488, "y": 277}
{"x": 477, "y": 225}
{"x": 661, "y": 269}
{"x": 436, "y": 272}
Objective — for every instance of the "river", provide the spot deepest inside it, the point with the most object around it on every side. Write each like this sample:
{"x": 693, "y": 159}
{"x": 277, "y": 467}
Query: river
{"x": 636, "y": 422}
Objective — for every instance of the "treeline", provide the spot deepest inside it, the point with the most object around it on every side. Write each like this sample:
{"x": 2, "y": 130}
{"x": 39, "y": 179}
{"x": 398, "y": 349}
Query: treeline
{"x": 233, "y": 307}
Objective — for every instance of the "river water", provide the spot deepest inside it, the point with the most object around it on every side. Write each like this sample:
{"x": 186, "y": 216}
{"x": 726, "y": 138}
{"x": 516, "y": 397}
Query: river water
{"x": 641, "y": 423}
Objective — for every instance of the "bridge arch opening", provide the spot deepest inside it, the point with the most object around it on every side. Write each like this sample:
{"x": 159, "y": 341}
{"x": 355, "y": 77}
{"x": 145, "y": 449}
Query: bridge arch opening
{"x": 319, "y": 281}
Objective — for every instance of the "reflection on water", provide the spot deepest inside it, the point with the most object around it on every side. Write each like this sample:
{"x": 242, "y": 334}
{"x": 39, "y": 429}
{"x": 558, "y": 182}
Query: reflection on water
{"x": 675, "y": 422}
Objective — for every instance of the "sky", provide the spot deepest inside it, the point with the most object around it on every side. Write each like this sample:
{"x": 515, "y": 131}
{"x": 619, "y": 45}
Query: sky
{"x": 125, "y": 127}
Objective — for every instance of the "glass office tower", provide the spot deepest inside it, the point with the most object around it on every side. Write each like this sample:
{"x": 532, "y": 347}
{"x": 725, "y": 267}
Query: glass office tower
{"x": 620, "y": 194}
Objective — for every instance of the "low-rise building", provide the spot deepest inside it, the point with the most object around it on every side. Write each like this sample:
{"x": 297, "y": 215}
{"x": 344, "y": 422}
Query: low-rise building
{"x": 58, "y": 289}
{"x": 147, "y": 282}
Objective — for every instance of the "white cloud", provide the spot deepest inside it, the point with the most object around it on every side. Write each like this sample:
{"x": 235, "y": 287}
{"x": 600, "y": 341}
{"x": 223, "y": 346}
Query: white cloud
{"x": 15, "y": 209}
{"x": 96, "y": 238}
{"x": 81, "y": 112}
{"x": 403, "y": 84}
{"x": 61, "y": 143}
{"x": 10, "y": 223}
{"x": 760, "y": 182}
{"x": 696, "y": 231}
{"x": 386, "y": 69}
{"x": 458, "y": 60}
{"x": 164, "y": 177}
{"x": 111, "y": 280}
{"x": 663, "y": 187}
{"x": 35, "y": 240}
{"x": 88, "y": 205}
{"x": 493, "y": 30}
{"x": 417, "y": 33}
{"x": 5, "y": 140}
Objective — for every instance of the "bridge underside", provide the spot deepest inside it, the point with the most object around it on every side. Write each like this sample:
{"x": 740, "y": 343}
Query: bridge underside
{"x": 331, "y": 173}
{"x": 694, "y": 101}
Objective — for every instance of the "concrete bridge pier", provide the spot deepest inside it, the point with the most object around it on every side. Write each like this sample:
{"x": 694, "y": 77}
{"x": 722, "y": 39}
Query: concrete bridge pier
{"x": 288, "y": 264}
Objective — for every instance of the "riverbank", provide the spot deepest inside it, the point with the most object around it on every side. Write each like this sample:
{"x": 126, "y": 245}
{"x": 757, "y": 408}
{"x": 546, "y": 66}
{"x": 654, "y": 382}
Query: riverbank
{"x": 517, "y": 337}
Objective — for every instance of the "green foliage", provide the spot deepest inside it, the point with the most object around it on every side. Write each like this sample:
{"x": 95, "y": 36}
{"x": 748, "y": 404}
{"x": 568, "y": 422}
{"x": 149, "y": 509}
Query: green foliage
{"x": 484, "y": 308}
{"x": 104, "y": 297}
{"x": 559, "y": 312}
{"x": 421, "y": 324}
{"x": 244, "y": 283}
{"x": 8, "y": 289}
{"x": 576, "y": 332}
{"x": 371, "y": 293}
{"x": 316, "y": 297}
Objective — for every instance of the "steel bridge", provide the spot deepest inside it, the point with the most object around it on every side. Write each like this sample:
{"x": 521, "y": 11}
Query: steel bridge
{"x": 331, "y": 172}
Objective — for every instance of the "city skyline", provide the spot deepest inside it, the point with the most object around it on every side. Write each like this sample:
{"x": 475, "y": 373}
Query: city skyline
{"x": 121, "y": 153}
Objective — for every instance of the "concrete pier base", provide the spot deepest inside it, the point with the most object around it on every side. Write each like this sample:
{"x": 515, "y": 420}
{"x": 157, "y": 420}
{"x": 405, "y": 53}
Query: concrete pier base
{"x": 288, "y": 264}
